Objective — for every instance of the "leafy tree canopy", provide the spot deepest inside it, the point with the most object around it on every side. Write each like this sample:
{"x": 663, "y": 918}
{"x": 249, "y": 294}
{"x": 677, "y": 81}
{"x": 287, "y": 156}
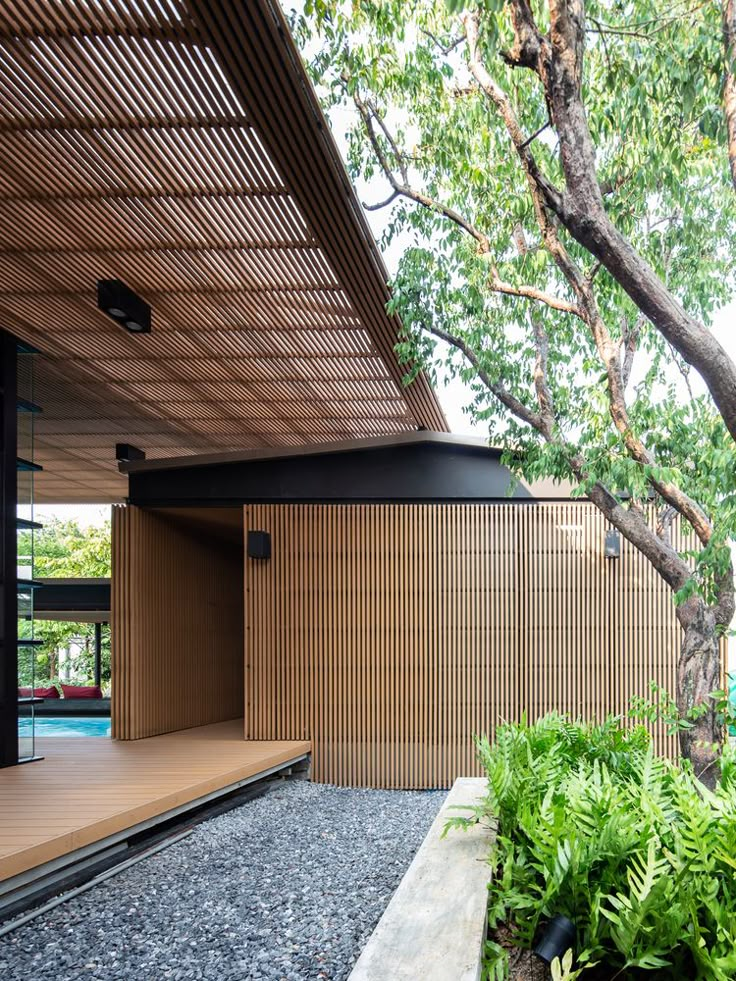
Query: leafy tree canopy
{"x": 64, "y": 550}
{"x": 485, "y": 266}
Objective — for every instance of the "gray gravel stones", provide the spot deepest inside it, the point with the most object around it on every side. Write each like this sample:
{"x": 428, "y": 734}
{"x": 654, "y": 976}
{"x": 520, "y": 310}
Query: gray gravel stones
{"x": 287, "y": 887}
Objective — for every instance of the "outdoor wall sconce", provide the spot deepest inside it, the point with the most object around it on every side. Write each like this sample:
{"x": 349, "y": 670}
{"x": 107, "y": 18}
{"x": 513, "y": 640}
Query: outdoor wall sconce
{"x": 612, "y": 548}
{"x": 259, "y": 545}
{"x": 124, "y": 306}
{"x": 125, "y": 453}
{"x": 556, "y": 939}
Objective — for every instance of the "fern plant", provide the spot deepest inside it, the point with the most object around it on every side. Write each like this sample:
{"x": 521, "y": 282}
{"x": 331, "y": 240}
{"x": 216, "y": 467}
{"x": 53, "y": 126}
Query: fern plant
{"x": 592, "y": 825}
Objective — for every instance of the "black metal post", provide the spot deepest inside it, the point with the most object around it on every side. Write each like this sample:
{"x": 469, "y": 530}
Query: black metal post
{"x": 98, "y": 653}
{"x": 8, "y": 551}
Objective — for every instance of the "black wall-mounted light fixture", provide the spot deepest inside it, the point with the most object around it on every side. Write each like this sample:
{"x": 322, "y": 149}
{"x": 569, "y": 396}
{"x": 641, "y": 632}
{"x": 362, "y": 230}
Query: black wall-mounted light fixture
{"x": 126, "y": 453}
{"x": 612, "y": 547}
{"x": 124, "y": 306}
{"x": 556, "y": 939}
{"x": 259, "y": 545}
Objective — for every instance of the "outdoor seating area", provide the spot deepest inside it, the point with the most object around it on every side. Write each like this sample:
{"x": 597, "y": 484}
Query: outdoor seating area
{"x": 74, "y": 693}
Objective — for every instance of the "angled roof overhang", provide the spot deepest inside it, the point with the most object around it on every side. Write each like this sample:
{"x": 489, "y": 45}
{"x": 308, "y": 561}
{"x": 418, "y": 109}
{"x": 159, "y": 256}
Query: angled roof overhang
{"x": 414, "y": 467}
{"x": 179, "y": 146}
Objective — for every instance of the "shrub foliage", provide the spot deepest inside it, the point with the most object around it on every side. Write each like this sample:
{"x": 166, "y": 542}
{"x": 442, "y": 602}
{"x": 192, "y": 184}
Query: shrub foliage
{"x": 591, "y": 824}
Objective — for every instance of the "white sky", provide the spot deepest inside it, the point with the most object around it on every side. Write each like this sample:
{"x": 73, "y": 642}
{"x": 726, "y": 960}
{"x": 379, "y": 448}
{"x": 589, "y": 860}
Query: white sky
{"x": 87, "y": 515}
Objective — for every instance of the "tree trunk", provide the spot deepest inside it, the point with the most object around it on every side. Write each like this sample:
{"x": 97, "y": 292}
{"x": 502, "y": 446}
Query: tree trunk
{"x": 729, "y": 85}
{"x": 699, "y": 674}
{"x": 582, "y": 211}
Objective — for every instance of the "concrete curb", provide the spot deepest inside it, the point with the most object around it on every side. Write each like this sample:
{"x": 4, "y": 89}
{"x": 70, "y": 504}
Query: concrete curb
{"x": 434, "y": 927}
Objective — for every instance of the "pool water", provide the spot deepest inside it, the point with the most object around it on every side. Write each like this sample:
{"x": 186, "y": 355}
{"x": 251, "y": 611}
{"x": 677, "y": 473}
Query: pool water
{"x": 66, "y": 726}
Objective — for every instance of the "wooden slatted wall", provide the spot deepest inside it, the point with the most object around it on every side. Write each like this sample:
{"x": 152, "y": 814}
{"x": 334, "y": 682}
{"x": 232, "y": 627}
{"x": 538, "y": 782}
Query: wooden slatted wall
{"x": 390, "y": 634}
{"x": 177, "y": 626}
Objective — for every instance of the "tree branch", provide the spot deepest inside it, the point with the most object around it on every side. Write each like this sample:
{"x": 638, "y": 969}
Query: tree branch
{"x": 402, "y": 187}
{"x": 400, "y": 162}
{"x": 532, "y": 293}
{"x": 630, "y": 339}
{"x": 444, "y": 49}
{"x": 558, "y": 62}
{"x": 665, "y": 517}
{"x": 541, "y": 382}
{"x": 513, "y": 404}
{"x": 630, "y": 523}
{"x": 639, "y": 29}
{"x": 368, "y": 113}
{"x": 382, "y": 204}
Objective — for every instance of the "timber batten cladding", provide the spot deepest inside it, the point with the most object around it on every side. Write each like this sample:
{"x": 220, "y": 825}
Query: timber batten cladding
{"x": 180, "y": 148}
{"x": 391, "y": 635}
{"x": 397, "y": 618}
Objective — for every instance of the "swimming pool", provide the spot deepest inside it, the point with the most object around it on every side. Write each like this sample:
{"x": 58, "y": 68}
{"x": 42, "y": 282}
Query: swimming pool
{"x": 67, "y": 726}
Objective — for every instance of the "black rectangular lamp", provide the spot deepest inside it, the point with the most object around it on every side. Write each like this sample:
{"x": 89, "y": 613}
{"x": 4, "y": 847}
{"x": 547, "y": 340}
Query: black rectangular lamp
{"x": 124, "y": 306}
{"x": 259, "y": 545}
{"x": 127, "y": 453}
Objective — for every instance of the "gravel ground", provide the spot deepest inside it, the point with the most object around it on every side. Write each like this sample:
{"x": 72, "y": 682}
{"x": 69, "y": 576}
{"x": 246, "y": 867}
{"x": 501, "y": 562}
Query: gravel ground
{"x": 286, "y": 887}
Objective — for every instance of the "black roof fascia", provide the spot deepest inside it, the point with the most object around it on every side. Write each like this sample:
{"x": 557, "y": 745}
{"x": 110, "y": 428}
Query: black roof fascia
{"x": 413, "y": 473}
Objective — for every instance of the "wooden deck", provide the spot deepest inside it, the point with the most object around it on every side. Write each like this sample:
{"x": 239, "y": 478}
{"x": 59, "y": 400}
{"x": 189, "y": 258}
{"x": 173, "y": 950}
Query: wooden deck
{"x": 87, "y": 789}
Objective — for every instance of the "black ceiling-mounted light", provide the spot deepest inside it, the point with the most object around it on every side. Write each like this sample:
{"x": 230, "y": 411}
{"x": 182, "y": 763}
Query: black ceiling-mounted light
{"x": 127, "y": 453}
{"x": 612, "y": 547}
{"x": 124, "y": 306}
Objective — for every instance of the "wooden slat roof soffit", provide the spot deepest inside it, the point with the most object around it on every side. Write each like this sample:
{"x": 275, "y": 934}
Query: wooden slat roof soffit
{"x": 180, "y": 148}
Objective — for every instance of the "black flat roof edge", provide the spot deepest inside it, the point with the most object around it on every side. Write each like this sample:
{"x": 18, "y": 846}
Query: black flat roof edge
{"x": 241, "y": 502}
{"x": 469, "y": 443}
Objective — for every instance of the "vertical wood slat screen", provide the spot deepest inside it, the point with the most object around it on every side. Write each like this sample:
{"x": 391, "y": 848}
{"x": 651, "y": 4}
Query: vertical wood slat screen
{"x": 390, "y": 634}
{"x": 177, "y": 627}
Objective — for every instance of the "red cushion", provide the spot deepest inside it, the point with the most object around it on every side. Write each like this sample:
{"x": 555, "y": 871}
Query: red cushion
{"x": 81, "y": 691}
{"x": 51, "y": 692}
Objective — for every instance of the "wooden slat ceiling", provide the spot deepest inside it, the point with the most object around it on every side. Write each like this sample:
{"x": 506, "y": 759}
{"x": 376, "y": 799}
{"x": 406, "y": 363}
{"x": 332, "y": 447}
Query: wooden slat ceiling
{"x": 178, "y": 146}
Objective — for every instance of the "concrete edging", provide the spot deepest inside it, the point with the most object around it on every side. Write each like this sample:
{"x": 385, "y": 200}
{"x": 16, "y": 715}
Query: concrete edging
{"x": 435, "y": 924}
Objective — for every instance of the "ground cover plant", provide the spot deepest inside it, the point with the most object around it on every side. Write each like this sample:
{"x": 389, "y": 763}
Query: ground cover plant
{"x": 591, "y": 824}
